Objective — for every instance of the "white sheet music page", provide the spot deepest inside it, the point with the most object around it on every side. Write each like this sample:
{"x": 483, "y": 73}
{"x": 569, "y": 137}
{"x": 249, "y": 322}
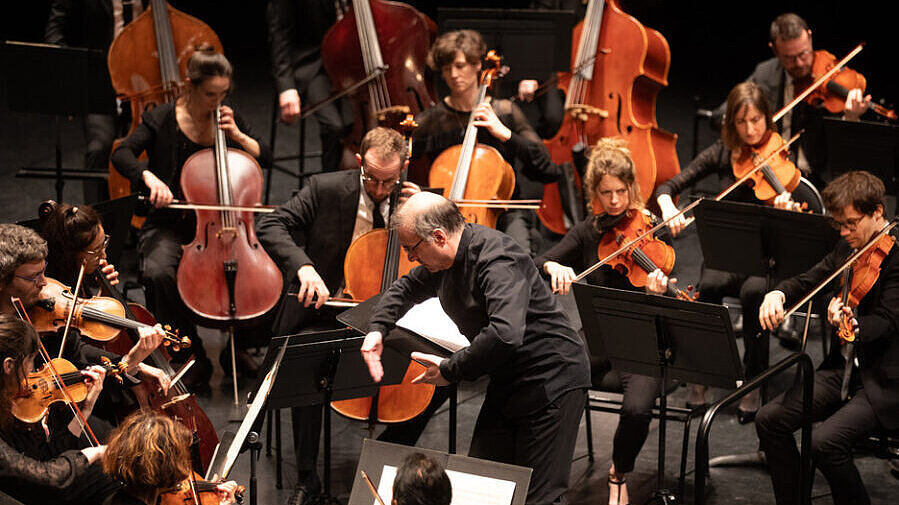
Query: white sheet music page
{"x": 430, "y": 321}
{"x": 468, "y": 489}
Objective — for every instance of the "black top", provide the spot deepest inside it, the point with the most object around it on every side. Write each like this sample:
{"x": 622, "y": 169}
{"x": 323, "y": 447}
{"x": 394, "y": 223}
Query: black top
{"x": 715, "y": 159}
{"x": 519, "y": 334}
{"x": 168, "y": 148}
{"x": 90, "y": 486}
{"x": 578, "y": 250}
{"x": 441, "y": 127}
{"x": 59, "y": 472}
{"x": 877, "y": 344}
{"x": 80, "y": 23}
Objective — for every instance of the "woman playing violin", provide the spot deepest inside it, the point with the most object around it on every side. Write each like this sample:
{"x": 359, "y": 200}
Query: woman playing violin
{"x": 169, "y": 134}
{"x": 457, "y": 56}
{"x": 610, "y": 179}
{"x": 747, "y": 124}
{"x": 53, "y": 457}
{"x": 149, "y": 454}
{"x": 75, "y": 237}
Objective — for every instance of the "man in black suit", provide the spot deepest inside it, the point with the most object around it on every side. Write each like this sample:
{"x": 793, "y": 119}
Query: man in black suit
{"x": 295, "y": 32}
{"x": 308, "y": 237}
{"x": 855, "y": 201}
{"x": 93, "y": 24}
{"x": 786, "y": 75}
{"x": 520, "y": 337}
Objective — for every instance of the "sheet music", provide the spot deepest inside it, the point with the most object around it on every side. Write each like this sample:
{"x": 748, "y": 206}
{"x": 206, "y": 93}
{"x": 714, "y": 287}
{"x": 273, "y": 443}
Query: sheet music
{"x": 430, "y": 321}
{"x": 468, "y": 489}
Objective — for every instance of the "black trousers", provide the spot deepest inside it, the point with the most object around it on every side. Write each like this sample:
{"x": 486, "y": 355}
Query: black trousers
{"x": 716, "y": 284}
{"x": 331, "y": 124}
{"x": 640, "y": 393}
{"x": 543, "y": 440}
{"x": 842, "y": 425}
{"x": 99, "y": 133}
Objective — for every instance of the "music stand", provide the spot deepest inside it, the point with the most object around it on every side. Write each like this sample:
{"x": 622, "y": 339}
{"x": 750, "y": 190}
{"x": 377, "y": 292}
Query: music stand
{"x": 667, "y": 338}
{"x": 536, "y": 42}
{"x": 377, "y": 455}
{"x": 322, "y": 366}
{"x": 39, "y": 73}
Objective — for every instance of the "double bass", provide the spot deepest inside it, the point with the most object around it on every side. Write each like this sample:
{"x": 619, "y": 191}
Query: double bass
{"x": 385, "y": 43}
{"x": 146, "y": 63}
{"x": 618, "y": 68}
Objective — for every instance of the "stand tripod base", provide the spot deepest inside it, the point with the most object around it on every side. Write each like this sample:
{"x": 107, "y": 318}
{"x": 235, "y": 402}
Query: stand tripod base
{"x": 664, "y": 497}
{"x": 756, "y": 458}
{"x": 237, "y": 412}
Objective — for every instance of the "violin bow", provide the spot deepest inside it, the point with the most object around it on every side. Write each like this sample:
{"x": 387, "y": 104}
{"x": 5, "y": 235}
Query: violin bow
{"x": 82, "y": 421}
{"x": 871, "y": 243}
{"x": 65, "y": 332}
{"x": 801, "y": 96}
{"x": 721, "y": 195}
{"x": 371, "y": 487}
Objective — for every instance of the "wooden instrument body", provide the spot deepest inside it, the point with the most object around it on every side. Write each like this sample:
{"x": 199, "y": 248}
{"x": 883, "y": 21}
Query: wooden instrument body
{"x": 779, "y": 173}
{"x": 490, "y": 178}
{"x": 222, "y": 236}
{"x": 42, "y": 391}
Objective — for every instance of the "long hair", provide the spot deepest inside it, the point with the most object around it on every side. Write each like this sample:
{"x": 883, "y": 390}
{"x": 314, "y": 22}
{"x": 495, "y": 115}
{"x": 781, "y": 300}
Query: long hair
{"x": 743, "y": 94}
{"x": 69, "y": 230}
{"x": 148, "y": 452}
{"x": 18, "y": 341}
{"x": 610, "y": 156}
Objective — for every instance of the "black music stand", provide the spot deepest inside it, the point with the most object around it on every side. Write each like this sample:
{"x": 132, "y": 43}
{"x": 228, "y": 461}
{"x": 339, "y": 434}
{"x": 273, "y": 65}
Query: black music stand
{"x": 322, "y": 366}
{"x": 667, "y": 338}
{"x": 536, "y": 43}
{"x": 376, "y": 455}
{"x": 863, "y": 145}
{"x": 57, "y": 80}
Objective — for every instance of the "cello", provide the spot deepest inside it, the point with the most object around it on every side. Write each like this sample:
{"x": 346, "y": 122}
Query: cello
{"x": 386, "y": 42}
{"x": 379, "y": 251}
{"x": 163, "y": 38}
{"x": 618, "y": 68}
{"x": 475, "y": 172}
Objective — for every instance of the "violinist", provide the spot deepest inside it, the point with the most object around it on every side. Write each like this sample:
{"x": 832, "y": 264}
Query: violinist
{"x": 149, "y": 454}
{"x": 610, "y": 179}
{"x": 520, "y": 338}
{"x": 53, "y": 457}
{"x": 786, "y": 75}
{"x": 75, "y": 237}
{"x": 308, "y": 238}
{"x": 747, "y": 124}
{"x": 457, "y": 56}
{"x": 855, "y": 202}
{"x": 23, "y": 253}
{"x": 169, "y": 134}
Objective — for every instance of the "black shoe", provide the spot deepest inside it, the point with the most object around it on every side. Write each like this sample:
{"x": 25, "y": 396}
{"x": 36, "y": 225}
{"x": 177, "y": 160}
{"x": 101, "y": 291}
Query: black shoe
{"x": 197, "y": 377}
{"x": 745, "y": 416}
{"x": 305, "y": 493}
{"x": 247, "y": 366}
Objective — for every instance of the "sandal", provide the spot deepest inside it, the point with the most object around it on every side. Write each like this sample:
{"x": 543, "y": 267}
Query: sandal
{"x": 617, "y": 484}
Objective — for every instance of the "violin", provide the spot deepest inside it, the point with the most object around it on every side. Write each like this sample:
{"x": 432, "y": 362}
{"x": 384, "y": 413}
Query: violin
{"x": 832, "y": 93}
{"x": 861, "y": 278}
{"x": 196, "y": 491}
{"x": 475, "y": 172}
{"x": 644, "y": 256}
{"x": 98, "y": 318}
{"x": 41, "y": 388}
{"x": 776, "y": 176}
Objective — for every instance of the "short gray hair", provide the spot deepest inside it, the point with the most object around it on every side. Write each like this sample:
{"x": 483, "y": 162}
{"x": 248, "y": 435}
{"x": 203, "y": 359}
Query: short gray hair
{"x": 443, "y": 215}
{"x": 19, "y": 245}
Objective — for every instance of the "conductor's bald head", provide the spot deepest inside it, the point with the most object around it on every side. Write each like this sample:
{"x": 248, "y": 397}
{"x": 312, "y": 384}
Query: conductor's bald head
{"x": 429, "y": 227}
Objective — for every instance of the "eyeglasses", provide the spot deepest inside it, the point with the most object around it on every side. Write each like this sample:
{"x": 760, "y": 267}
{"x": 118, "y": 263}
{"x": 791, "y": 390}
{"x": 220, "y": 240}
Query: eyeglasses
{"x": 386, "y": 183}
{"x": 850, "y": 224}
{"x": 801, "y": 56}
{"x": 410, "y": 250}
{"x": 34, "y": 278}
{"x": 98, "y": 252}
